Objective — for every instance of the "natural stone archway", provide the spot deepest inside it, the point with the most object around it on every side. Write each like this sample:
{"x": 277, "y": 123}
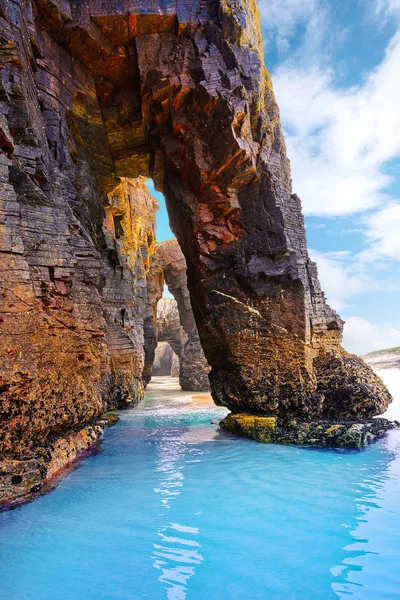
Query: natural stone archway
{"x": 199, "y": 114}
{"x": 163, "y": 360}
{"x": 168, "y": 266}
{"x": 169, "y": 327}
{"x": 94, "y": 94}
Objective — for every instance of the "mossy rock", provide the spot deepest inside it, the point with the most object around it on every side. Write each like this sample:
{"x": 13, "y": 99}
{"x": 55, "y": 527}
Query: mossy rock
{"x": 255, "y": 427}
{"x": 111, "y": 418}
{"x": 320, "y": 434}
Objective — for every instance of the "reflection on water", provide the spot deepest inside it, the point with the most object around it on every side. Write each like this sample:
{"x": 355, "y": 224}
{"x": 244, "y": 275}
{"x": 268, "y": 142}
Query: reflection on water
{"x": 177, "y": 552}
{"x": 174, "y": 509}
{"x": 368, "y": 567}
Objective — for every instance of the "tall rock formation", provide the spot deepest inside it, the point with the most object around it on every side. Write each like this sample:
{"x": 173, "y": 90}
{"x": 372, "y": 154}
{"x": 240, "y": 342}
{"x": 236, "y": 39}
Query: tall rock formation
{"x": 75, "y": 245}
{"x": 194, "y": 368}
{"x": 94, "y": 94}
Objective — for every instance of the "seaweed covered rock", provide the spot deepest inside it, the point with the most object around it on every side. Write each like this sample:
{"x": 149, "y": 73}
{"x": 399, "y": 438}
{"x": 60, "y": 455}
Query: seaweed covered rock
{"x": 321, "y": 434}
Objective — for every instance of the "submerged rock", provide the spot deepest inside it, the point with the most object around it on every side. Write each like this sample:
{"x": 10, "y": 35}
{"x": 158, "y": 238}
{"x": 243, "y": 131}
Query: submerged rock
{"x": 321, "y": 434}
{"x": 110, "y": 418}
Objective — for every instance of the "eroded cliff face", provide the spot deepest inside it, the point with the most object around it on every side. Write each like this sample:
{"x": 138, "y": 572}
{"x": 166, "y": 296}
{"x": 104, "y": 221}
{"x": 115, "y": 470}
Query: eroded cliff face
{"x": 75, "y": 245}
{"x": 94, "y": 94}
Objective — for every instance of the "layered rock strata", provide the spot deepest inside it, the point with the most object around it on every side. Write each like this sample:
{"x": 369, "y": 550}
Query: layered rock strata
{"x": 75, "y": 243}
{"x": 194, "y": 368}
{"x": 24, "y": 478}
{"x": 175, "y": 367}
{"x": 94, "y": 94}
{"x": 169, "y": 328}
{"x": 184, "y": 94}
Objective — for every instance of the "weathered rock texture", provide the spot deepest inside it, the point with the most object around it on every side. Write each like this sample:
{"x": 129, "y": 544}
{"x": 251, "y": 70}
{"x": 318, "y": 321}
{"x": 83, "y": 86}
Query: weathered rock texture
{"x": 175, "y": 367}
{"x": 26, "y": 476}
{"x": 92, "y": 94}
{"x": 75, "y": 243}
{"x": 169, "y": 328}
{"x": 323, "y": 434}
{"x": 194, "y": 368}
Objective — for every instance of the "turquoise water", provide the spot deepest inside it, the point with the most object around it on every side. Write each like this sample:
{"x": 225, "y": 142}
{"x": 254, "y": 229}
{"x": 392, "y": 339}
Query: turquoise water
{"x": 173, "y": 509}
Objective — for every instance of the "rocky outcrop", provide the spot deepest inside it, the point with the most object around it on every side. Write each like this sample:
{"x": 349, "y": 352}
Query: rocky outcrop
{"x": 322, "y": 434}
{"x": 169, "y": 328}
{"x": 199, "y": 114}
{"x": 175, "y": 367}
{"x": 129, "y": 241}
{"x": 194, "y": 368}
{"x": 24, "y": 478}
{"x": 93, "y": 95}
{"x": 75, "y": 243}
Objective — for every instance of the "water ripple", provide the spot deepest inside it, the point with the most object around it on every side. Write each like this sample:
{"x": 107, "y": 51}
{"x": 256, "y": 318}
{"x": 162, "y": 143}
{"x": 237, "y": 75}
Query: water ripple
{"x": 173, "y": 509}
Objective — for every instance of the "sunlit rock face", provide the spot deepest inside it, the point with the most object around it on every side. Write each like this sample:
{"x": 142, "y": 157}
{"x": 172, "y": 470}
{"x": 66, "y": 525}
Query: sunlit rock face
{"x": 94, "y": 94}
{"x": 75, "y": 244}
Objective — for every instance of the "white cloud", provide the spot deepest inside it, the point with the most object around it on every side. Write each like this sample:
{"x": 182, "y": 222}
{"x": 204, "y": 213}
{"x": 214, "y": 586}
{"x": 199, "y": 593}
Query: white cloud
{"x": 383, "y": 233}
{"x": 387, "y": 7}
{"x": 342, "y": 142}
{"x": 281, "y": 18}
{"x": 339, "y": 139}
{"x": 343, "y": 277}
{"x": 362, "y": 336}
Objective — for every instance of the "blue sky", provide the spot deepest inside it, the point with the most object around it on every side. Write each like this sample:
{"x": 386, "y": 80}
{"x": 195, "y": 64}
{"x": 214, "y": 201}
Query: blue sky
{"x": 163, "y": 232}
{"x": 335, "y": 67}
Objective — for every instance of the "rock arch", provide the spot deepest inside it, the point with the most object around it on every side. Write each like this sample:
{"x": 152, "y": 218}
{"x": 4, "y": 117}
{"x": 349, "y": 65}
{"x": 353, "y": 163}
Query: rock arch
{"x": 168, "y": 266}
{"x": 93, "y": 95}
{"x": 184, "y": 96}
{"x": 166, "y": 362}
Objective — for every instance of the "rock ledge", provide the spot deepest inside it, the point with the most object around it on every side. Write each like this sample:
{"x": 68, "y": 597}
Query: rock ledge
{"x": 321, "y": 434}
{"x": 23, "y": 479}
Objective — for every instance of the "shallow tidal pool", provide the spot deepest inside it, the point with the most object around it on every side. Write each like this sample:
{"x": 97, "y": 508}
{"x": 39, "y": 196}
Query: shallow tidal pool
{"x": 171, "y": 508}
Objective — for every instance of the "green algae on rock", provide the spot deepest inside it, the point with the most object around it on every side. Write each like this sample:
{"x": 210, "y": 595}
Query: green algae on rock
{"x": 111, "y": 418}
{"x": 321, "y": 434}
